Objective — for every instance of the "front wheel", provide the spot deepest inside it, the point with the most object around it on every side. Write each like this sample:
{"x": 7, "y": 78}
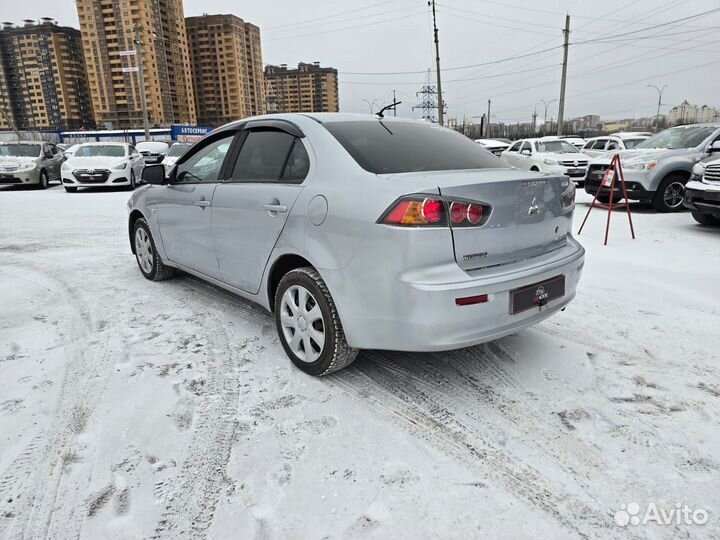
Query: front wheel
{"x": 706, "y": 219}
{"x": 670, "y": 194}
{"x": 148, "y": 259}
{"x": 309, "y": 325}
{"x": 43, "y": 181}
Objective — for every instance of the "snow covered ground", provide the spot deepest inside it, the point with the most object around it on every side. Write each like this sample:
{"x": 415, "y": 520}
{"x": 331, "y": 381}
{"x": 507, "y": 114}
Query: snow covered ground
{"x": 131, "y": 409}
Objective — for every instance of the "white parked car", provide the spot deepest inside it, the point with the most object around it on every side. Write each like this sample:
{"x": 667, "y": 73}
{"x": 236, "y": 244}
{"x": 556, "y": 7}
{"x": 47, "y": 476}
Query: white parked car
{"x": 68, "y": 152}
{"x": 577, "y": 141}
{"x": 176, "y": 152}
{"x": 152, "y": 151}
{"x": 102, "y": 164}
{"x": 598, "y": 146}
{"x": 493, "y": 145}
{"x": 547, "y": 155}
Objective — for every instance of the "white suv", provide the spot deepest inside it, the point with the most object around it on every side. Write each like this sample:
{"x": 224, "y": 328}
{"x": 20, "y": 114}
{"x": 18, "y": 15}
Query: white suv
{"x": 599, "y": 146}
{"x": 547, "y": 155}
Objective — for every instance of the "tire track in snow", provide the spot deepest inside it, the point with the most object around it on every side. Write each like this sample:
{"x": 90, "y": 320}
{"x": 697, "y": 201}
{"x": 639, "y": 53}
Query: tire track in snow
{"x": 434, "y": 402}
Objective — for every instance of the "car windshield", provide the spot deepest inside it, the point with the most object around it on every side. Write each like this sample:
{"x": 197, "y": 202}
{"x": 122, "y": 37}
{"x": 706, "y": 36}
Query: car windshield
{"x": 678, "y": 137}
{"x": 177, "y": 150}
{"x": 400, "y": 146}
{"x": 632, "y": 143}
{"x": 20, "y": 150}
{"x": 100, "y": 150}
{"x": 556, "y": 147}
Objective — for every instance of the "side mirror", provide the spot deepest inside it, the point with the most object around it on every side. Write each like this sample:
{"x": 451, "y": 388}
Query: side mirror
{"x": 526, "y": 152}
{"x": 714, "y": 147}
{"x": 154, "y": 174}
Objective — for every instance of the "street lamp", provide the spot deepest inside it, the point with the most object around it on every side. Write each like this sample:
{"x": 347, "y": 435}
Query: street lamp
{"x": 547, "y": 104}
{"x": 371, "y": 105}
{"x": 660, "y": 93}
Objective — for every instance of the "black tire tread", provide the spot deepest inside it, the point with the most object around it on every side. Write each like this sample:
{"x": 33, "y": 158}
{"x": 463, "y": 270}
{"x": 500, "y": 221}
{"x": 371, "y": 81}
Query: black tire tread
{"x": 706, "y": 219}
{"x": 658, "y": 202}
{"x": 161, "y": 271}
{"x": 343, "y": 355}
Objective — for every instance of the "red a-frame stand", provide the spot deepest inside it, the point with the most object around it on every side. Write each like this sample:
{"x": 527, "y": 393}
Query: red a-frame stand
{"x": 614, "y": 173}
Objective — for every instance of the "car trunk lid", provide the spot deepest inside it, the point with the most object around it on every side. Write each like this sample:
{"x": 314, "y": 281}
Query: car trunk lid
{"x": 527, "y": 216}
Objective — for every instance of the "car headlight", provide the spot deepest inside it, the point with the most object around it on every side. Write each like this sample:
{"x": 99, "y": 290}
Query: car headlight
{"x": 698, "y": 170}
{"x": 120, "y": 167}
{"x": 551, "y": 162}
{"x": 642, "y": 166}
{"x": 27, "y": 167}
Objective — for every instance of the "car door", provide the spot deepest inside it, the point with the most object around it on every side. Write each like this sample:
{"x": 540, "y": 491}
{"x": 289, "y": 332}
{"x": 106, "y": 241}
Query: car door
{"x": 524, "y": 159}
{"x": 55, "y": 161}
{"x": 251, "y": 207}
{"x": 510, "y": 156}
{"x": 184, "y": 207}
{"x": 136, "y": 161}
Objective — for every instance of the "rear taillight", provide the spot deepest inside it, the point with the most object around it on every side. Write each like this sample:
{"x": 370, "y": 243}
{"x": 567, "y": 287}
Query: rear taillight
{"x": 414, "y": 211}
{"x": 567, "y": 199}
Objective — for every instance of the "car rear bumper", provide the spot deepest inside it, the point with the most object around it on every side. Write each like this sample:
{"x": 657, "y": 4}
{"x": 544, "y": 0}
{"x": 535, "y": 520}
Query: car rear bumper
{"x": 702, "y": 198}
{"x": 419, "y": 311}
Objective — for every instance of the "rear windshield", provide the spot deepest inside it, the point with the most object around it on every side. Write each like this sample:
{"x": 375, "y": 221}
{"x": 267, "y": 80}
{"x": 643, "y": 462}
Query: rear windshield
{"x": 398, "y": 147}
{"x": 100, "y": 150}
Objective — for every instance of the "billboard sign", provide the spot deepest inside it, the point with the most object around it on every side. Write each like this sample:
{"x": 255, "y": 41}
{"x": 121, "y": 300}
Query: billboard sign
{"x": 188, "y": 133}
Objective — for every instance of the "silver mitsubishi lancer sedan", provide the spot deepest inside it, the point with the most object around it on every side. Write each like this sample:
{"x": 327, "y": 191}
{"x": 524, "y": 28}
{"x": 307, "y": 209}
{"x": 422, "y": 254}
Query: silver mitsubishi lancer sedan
{"x": 362, "y": 232}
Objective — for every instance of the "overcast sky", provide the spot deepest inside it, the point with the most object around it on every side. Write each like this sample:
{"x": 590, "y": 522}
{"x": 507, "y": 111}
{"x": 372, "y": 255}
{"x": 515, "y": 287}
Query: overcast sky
{"x": 372, "y": 43}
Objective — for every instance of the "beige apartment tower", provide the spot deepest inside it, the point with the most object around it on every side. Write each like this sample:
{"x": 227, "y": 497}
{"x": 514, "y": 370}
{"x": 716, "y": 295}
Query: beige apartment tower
{"x": 43, "y": 84}
{"x": 227, "y": 69}
{"x": 109, "y": 30}
{"x": 309, "y": 88}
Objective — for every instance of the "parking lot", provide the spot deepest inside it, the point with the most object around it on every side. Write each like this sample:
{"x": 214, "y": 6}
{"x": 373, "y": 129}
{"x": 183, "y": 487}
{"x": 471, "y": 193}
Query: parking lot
{"x": 161, "y": 409}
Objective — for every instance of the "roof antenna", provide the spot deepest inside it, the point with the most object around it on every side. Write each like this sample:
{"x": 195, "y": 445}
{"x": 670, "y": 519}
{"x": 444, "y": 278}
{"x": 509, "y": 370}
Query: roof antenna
{"x": 386, "y": 107}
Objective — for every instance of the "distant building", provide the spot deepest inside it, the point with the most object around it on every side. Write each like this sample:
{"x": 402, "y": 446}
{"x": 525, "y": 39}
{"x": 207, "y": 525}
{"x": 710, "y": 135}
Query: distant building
{"x": 109, "y": 30}
{"x": 685, "y": 113}
{"x": 227, "y": 68}
{"x": 309, "y": 88}
{"x": 589, "y": 122}
{"x": 43, "y": 84}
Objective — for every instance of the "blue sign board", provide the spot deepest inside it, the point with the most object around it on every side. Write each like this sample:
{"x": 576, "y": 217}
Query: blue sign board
{"x": 188, "y": 133}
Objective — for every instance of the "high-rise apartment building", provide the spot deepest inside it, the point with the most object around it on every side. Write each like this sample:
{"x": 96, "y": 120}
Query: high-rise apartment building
{"x": 109, "y": 31}
{"x": 309, "y": 88}
{"x": 226, "y": 61}
{"x": 43, "y": 84}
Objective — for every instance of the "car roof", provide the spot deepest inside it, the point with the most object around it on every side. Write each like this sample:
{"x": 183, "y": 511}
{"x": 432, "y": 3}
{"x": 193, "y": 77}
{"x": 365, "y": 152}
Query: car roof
{"x": 321, "y": 118}
{"x": 25, "y": 142}
{"x": 106, "y": 143}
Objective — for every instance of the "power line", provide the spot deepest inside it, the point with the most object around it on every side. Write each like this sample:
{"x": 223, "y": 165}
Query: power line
{"x": 340, "y": 14}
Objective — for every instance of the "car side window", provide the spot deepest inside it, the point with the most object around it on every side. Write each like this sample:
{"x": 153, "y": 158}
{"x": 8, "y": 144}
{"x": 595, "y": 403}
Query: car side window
{"x": 53, "y": 149}
{"x": 204, "y": 165}
{"x": 263, "y": 156}
{"x": 515, "y": 147}
{"x": 588, "y": 145}
{"x": 298, "y": 164}
{"x": 612, "y": 145}
{"x": 526, "y": 146}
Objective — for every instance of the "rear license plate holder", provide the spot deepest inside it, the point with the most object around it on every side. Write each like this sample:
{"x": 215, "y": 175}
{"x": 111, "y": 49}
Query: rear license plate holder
{"x": 537, "y": 295}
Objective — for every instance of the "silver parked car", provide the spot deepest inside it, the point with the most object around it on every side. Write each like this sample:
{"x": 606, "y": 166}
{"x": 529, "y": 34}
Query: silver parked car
{"x": 29, "y": 163}
{"x": 360, "y": 232}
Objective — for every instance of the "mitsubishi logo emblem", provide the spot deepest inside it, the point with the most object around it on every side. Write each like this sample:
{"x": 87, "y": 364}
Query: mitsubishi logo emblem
{"x": 534, "y": 208}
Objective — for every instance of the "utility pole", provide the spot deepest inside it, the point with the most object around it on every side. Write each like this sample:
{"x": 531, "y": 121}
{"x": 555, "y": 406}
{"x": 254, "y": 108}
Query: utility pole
{"x": 660, "y": 93}
{"x": 441, "y": 104}
{"x": 566, "y": 45}
{"x": 534, "y": 121}
{"x": 141, "y": 76}
{"x": 487, "y": 129}
{"x": 394, "y": 106}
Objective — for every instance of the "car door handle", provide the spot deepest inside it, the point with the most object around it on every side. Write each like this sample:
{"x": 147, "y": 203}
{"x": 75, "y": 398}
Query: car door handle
{"x": 203, "y": 204}
{"x": 279, "y": 208}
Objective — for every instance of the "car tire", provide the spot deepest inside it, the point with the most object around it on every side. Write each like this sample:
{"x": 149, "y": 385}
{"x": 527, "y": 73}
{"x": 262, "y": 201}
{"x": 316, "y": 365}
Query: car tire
{"x": 146, "y": 254}
{"x": 706, "y": 219}
{"x": 297, "y": 290}
{"x": 71, "y": 189}
{"x": 43, "y": 180}
{"x": 669, "y": 196}
{"x": 604, "y": 198}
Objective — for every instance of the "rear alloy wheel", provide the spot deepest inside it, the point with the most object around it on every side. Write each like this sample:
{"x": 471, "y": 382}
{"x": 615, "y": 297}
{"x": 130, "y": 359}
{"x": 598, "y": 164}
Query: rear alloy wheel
{"x": 43, "y": 181}
{"x": 706, "y": 219}
{"x": 669, "y": 196}
{"x": 147, "y": 256}
{"x": 308, "y": 324}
